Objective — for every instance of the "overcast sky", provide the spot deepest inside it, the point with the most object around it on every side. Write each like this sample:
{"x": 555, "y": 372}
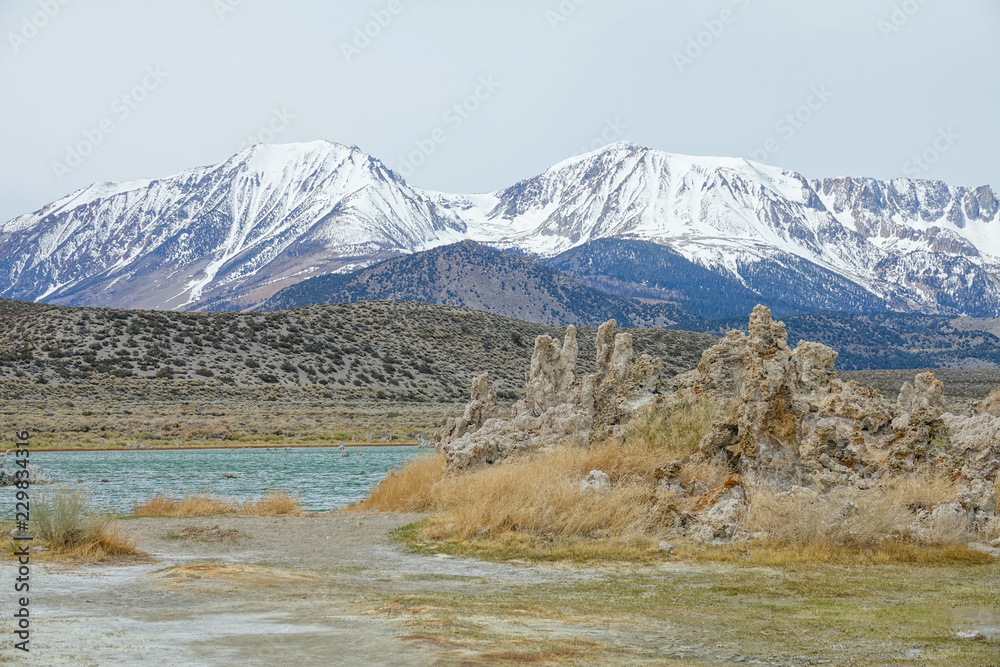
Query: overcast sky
{"x": 474, "y": 95}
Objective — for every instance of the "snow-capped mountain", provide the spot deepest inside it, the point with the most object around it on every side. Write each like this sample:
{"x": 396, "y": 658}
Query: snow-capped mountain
{"x": 234, "y": 233}
{"x": 916, "y": 245}
{"x": 269, "y": 216}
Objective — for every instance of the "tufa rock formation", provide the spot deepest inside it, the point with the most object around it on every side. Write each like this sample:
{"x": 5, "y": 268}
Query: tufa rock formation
{"x": 786, "y": 421}
{"x": 791, "y": 420}
{"x": 559, "y": 406}
{"x": 482, "y": 407}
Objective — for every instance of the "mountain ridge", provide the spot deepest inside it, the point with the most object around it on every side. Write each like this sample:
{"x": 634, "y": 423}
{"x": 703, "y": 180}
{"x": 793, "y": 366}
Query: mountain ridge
{"x": 471, "y": 275}
{"x": 230, "y": 235}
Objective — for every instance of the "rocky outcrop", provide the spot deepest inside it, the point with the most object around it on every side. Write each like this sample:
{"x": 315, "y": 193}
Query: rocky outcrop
{"x": 795, "y": 422}
{"x": 482, "y": 407}
{"x": 559, "y": 406}
{"x": 797, "y": 425}
{"x": 990, "y": 404}
{"x": 974, "y": 440}
{"x": 768, "y": 415}
{"x": 787, "y": 423}
{"x": 596, "y": 481}
{"x": 9, "y": 473}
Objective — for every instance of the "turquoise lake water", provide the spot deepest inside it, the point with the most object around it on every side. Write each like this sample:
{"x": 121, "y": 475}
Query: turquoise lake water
{"x": 320, "y": 477}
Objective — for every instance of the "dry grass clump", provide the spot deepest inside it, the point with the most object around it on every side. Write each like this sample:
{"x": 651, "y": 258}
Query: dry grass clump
{"x": 412, "y": 489}
{"x": 190, "y": 505}
{"x": 67, "y": 524}
{"x": 991, "y": 403}
{"x": 996, "y": 489}
{"x": 878, "y": 518}
{"x": 539, "y": 495}
{"x": 926, "y": 488}
{"x": 840, "y": 518}
{"x": 274, "y": 503}
{"x": 675, "y": 430}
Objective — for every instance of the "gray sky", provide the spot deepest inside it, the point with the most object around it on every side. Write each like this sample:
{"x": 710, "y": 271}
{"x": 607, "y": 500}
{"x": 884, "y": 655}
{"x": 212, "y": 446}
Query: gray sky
{"x": 147, "y": 89}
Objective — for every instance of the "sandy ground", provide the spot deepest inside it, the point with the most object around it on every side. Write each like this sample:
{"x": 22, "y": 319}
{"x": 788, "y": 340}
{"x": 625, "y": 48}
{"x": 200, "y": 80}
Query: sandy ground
{"x": 302, "y": 591}
{"x": 333, "y": 590}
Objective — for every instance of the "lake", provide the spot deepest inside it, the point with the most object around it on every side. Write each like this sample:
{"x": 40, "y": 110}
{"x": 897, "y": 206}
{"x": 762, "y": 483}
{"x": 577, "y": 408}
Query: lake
{"x": 319, "y": 476}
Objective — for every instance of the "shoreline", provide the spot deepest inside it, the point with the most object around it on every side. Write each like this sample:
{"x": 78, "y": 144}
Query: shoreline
{"x": 340, "y": 589}
{"x": 181, "y": 448}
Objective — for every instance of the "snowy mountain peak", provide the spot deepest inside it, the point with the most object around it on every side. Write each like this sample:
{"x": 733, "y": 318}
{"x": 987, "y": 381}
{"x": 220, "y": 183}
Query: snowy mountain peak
{"x": 234, "y": 231}
{"x": 278, "y": 158}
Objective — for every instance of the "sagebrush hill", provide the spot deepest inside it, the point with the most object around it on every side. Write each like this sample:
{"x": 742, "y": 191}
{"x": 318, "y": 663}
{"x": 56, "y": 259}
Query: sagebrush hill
{"x": 396, "y": 351}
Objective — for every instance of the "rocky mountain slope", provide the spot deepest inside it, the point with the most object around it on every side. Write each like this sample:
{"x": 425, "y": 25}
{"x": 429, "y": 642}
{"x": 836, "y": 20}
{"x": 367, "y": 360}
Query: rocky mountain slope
{"x": 230, "y": 235}
{"x": 647, "y": 270}
{"x": 474, "y": 276}
{"x": 912, "y": 245}
{"x": 471, "y": 275}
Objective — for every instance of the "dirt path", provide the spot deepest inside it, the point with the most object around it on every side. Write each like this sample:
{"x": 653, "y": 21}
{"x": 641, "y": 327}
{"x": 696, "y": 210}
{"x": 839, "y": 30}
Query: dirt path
{"x": 333, "y": 590}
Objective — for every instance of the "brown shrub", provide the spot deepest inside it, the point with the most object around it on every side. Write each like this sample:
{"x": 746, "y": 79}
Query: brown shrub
{"x": 538, "y": 494}
{"x": 991, "y": 403}
{"x": 274, "y": 503}
{"x": 69, "y": 527}
{"x": 840, "y": 518}
{"x": 856, "y": 519}
{"x": 996, "y": 489}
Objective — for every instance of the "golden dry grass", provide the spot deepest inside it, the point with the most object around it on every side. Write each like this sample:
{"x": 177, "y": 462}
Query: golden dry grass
{"x": 411, "y": 489}
{"x": 539, "y": 495}
{"x": 996, "y": 489}
{"x": 675, "y": 430}
{"x": 879, "y": 518}
{"x": 841, "y": 518}
{"x": 925, "y": 487}
{"x": 71, "y": 528}
{"x": 532, "y": 506}
{"x": 541, "y": 499}
{"x": 991, "y": 403}
{"x": 275, "y": 503}
{"x": 108, "y": 542}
